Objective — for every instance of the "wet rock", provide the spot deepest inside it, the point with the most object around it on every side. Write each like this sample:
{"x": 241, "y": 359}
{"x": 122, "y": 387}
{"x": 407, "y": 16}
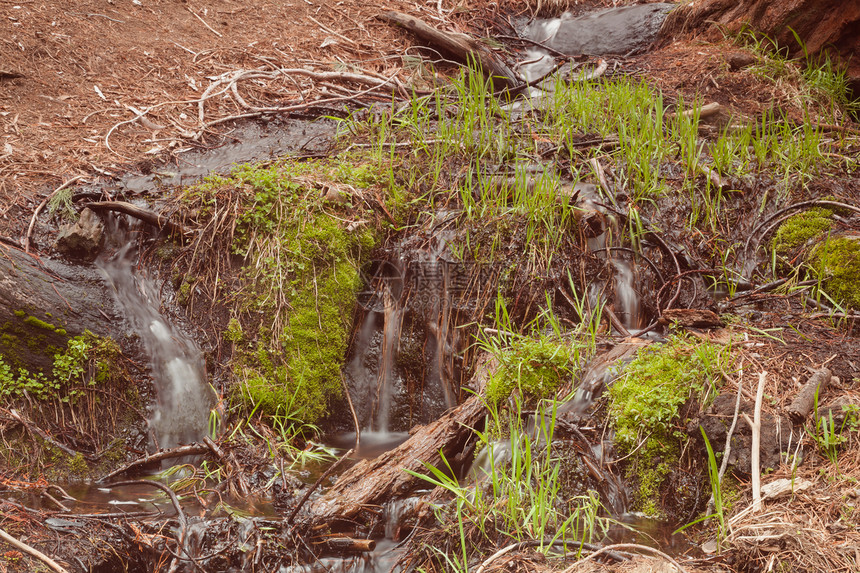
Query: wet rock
{"x": 82, "y": 239}
{"x": 613, "y": 31}
{"x": 717, "y": 419}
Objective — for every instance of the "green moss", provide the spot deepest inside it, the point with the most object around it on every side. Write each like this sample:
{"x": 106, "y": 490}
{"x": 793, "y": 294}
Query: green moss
{"x": 183, "y": 295}
{"x": 644, "y": 407}
{"x": 799, "y": 229}
{"x": 234, "y": 331}
{"x": 837, "y": 261}
{"x": 534, "y": 366}
{"x": 20, "y": 313}
{"x": 33, "y": 321}
{"x": 302, "y": 276}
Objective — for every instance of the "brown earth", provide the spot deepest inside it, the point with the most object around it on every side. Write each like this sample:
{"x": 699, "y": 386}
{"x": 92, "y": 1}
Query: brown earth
{"x": 825, "y": 26}
{"x": 73, "y": 80}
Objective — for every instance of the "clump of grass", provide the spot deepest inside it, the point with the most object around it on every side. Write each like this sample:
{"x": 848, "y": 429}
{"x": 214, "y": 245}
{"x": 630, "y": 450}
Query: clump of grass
{"x": 644, "y": 407}
{"x": 519, "y": 495}
{"x": 532, "y": 365}
{"x": 818, "y": 80}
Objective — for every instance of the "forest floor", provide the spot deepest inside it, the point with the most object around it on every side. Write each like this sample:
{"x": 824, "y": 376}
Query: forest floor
{"x": 116, "y": 86}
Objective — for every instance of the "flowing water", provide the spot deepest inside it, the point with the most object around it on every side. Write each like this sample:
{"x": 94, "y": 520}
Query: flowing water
{"x": 184, "y": 398}
{"x": 401, "y": 368}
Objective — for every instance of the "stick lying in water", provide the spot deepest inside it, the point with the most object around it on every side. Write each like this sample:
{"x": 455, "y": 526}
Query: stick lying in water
{"x": 193, "y": 449}
{"x": 145, "y": 215}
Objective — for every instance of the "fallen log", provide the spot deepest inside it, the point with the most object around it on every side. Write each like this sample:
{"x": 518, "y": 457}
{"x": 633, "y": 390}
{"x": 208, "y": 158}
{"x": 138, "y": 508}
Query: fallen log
{"x": 460, "y": 46}
{"x": 371, "y": 482}
{"x": 181, "y": 451}
{"x": 155, "y": 219}
{"x": 811, "y": 392}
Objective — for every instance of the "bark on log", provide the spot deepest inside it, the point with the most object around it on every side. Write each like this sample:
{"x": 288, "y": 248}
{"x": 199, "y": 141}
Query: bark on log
{"x": 43, "y": 302}
{"x": 460, "y": 46}
{"x": 803, "y": 403}
{"x": 831, "y": 26}
{"x": 371, "y": 482}
{"x": 155, "y": 219}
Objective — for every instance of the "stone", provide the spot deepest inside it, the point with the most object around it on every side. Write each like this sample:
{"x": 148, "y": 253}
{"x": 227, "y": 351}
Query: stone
{"x": 82, "y": 239}
{"x": 739, "y": 60}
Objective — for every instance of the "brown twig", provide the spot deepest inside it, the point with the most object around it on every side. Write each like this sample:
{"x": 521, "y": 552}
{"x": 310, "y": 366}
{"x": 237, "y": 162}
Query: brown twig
{"x": 32, "y": 551}
{"x": 317, "y": 483}
{"x": 624, "y": 547}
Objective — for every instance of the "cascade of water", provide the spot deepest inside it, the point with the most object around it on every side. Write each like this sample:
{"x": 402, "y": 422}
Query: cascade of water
{"x": 404, "y": 301}
{"x": 184, "y": 398}
{"x": 626, "y": 298}
{"x": 390, "y": 342}
{"x": 436, "y": 292}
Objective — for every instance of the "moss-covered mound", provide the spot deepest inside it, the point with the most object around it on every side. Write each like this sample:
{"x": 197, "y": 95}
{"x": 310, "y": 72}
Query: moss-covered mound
{"x": 644, "y": 409}
{"x": 303, "y": 231}
{"x": 837, "y": 262}
{"x": 535, "y": 367}
{"x": 798, "y": 230}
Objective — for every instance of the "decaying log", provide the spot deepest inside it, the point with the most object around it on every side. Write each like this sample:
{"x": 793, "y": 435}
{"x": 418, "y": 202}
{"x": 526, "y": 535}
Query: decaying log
{"x": 371, "y": 482}
{"x": 181, "y": 451}
{"x": 145, "y": 215}
{"x": 803, "y": 403}
{"x": 460, "y": 46}
{"x": 345, "y": 544}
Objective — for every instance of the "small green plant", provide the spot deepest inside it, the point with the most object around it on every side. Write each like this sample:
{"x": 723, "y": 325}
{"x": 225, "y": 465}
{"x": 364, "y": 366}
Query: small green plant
{"x": 87, "y": 361}
{"x": 716, "y": 491}
{"x": 829, "y": 438}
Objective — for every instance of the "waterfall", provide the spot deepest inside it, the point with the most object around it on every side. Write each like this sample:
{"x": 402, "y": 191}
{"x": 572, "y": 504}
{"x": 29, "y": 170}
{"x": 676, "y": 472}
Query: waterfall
{"x": 181, "y": 412}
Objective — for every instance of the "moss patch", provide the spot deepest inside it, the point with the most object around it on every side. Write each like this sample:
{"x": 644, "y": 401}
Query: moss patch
{"x": 799, "y": 229}
{"x": 293, "y": 309}
{"x": 837, "y": 261}
{"x": 535, "y": 367}
{"x": 645, "y": 405}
